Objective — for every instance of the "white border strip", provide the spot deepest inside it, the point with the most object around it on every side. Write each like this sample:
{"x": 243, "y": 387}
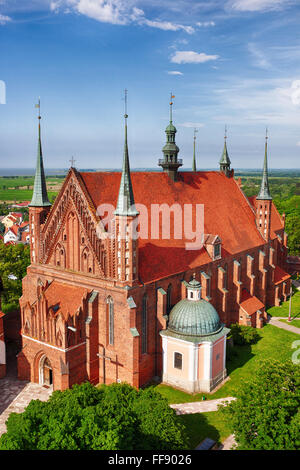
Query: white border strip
{"x": 50, "y": 345}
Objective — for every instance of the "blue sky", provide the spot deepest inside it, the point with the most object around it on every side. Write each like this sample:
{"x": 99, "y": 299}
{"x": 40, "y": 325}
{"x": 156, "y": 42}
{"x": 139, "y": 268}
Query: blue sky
{"x": 233, "y": 62}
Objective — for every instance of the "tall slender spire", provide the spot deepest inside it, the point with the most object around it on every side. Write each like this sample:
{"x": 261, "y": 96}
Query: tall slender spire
{"x": 225, "y": 160}
{"x": 194, "y": 153}
{"x": 40, "y": 196}
{"x": 125, "y": 204}
{"x": 264, "y": 193}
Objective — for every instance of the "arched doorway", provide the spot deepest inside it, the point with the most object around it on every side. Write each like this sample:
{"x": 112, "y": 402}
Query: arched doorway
{"x": 46, "y": 373}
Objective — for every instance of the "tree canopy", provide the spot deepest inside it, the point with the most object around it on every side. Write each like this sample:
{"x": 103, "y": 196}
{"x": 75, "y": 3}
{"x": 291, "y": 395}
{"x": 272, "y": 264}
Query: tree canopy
{"x": 266, "y": 415}
{"x": 14, "y": 260}
{"x": 109, "y": 417}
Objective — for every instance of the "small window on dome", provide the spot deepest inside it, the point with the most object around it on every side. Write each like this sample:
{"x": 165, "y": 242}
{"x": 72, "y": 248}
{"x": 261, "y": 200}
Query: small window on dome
{"x": 178, "y": 360}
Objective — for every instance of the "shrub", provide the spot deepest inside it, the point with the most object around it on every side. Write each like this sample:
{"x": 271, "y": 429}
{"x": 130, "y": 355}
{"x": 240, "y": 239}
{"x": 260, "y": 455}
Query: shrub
{"x": 242, "y": 334}
{"x": 109, "y": 417}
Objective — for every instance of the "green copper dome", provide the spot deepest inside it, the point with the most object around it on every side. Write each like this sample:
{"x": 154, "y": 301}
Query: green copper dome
{"x": 194, "y": 318}
{"x": 171, "y": 128}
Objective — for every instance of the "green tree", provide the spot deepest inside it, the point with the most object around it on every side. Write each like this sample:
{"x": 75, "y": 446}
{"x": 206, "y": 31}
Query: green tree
{"x": 114, "y": 417}
{"x": 266, "y": 415}
{"x": 14, "y": 260}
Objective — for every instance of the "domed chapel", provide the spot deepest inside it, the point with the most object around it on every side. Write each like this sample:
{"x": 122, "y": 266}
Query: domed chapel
{"x": 194, "y": 343}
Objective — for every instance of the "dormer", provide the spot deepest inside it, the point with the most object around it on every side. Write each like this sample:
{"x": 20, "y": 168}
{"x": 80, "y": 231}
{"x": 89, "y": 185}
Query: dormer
{"x": 212, "y": 244}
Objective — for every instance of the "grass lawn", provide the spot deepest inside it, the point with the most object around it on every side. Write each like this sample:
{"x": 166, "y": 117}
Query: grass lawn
{"x": 293, "y": 322}
{"x": 19, "y": 195}
{"x": 274, "y": 343}
{"x": 283, "y": 310}
{"x": 201, "y": 425}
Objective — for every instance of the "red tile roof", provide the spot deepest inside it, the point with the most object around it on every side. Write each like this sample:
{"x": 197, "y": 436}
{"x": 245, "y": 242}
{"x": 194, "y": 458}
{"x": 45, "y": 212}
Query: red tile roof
{"x": 14, "y": 229}
{"x": 227, "y": 213}
{"x": 280, "y": 275}
{"x": 67, "y": 298}
{"x": 250, "y": 304}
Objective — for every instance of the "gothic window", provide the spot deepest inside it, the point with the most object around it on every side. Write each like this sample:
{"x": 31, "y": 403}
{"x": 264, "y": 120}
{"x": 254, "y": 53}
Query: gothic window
{"x": 144, "y": 325}
{"x": 169, "y": 298}
{"x": 111, "y": 319}
{"x": 225, "y": 279}
{"x": 208, "y": 287}
{"x": 59, "y": 339}
{"x": 27, "y": 328}
{"x": 178, "y": 360}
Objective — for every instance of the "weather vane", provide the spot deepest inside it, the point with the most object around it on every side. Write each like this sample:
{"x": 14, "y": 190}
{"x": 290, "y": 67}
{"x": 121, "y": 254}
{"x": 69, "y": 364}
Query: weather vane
{"x": 125, "y": 99}
{"x": 225, "y": 136}
{"x": 171, "y": 103}
{"x": 39, "y": 108}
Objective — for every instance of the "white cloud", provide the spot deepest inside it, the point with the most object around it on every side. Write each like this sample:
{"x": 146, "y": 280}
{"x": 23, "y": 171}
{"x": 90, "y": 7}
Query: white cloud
{"x": 205, "y": 24}
{"x": 106, "y": 11}
{"x": 175, "y": 72}
{"x": 269, "y": 101}
{"x": 260, "y": 59}
{"x": 117, "y": 12}
{"x": 191, "y": 124}
{"x": 292, "y": 93}
{"x": 167, "y": 26}
{"x": 191, "y": 57}
{"x": 4, "y": 19}
{"x": 298, "y": 144}
{"x": 258, "y": 5}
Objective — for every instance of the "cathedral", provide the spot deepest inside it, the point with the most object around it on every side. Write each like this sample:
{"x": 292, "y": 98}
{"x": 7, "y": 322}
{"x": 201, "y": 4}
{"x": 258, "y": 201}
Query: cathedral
{"x": 108, "y": 297}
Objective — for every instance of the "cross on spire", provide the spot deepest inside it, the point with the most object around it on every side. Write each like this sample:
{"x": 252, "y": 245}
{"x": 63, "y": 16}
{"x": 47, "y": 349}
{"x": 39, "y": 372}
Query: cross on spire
{"x": 125, "y": 99}
{"x": 194, "y": 154}
{"x": 72, "y": 162}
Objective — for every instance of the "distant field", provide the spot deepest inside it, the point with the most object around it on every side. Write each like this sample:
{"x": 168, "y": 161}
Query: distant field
{"x": 20, "y": 188}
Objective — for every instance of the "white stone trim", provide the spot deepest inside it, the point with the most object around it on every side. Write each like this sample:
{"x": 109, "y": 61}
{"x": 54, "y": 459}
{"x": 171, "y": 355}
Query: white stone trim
{"x": 165, "y": 357}
{"x": 207, "y": 361}
{"x": 196, "y": 360}
{"x": 191, "y": 363}
{"x": 54, "y": 347}
{"x": 2, "y": 353}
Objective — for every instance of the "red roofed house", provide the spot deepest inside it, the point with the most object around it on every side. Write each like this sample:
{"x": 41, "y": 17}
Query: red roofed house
{"x": 96, "y": 297}
{"x": 17, "y": 233}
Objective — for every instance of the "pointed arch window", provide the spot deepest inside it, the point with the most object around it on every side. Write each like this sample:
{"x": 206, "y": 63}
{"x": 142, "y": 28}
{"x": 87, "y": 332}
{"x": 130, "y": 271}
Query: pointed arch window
{"x": 111, "y": 320}
{"x": 225, "y": 280}
{"x": 169, "y": 298}
{"x": 144, "y": 325}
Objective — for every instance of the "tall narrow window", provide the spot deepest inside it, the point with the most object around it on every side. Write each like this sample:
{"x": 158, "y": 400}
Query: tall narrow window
{"x": 177, "y": 360}
{"x": 225, "y": 283}
{"x": 110, "y": 303}
{"x": 169, "y": 298}
{"x": 144, "y": 325}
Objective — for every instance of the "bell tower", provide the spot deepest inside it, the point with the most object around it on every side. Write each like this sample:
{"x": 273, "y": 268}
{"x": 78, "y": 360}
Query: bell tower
{"x": 170, "y": 163}
{"x": 39, "y": 206}
{"x": 126, "y": 252}
{"x": 264, "y": 200}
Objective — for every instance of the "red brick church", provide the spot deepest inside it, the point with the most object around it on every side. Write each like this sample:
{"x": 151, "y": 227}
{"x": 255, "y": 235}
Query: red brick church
{"x": 95, "y": 297}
